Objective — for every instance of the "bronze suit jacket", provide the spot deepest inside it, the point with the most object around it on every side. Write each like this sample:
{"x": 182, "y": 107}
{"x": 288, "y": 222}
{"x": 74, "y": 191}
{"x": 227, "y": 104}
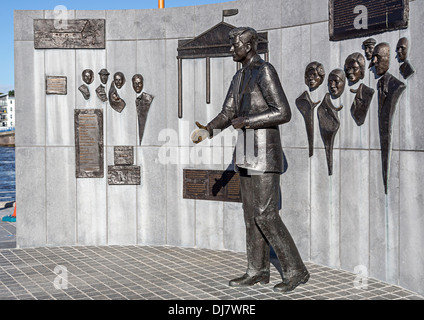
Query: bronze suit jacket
{"x": 256, "y": 93}
{"x": 389, "y": 91}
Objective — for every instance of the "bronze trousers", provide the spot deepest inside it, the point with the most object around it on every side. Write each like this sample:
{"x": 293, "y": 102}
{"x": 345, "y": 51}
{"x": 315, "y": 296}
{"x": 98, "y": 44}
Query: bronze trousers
{"x": 264, "y": 227}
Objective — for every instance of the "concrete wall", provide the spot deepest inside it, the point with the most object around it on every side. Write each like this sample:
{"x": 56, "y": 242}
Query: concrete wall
{"x": 343, "y": 221}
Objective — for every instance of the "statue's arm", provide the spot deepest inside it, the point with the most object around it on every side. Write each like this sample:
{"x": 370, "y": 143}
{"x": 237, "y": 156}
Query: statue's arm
{"x": 278, "y": 111}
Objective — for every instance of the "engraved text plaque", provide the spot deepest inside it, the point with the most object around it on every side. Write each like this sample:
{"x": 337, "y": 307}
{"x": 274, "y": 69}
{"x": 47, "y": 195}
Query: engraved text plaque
{"x": 211, "y": 185}
{"x": 89, "y": 143}
{"x": 56, "y": 85}
{"x": 124, "y": 155}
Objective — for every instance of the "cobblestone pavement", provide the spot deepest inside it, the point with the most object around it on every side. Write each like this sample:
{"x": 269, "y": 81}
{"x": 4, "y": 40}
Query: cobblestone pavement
{"x": 163, "y": 273}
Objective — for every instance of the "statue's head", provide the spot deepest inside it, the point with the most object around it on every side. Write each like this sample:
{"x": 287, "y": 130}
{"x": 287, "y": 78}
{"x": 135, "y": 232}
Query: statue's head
{"x": 104, "y": 75}
{"x": 244, "y": 43}
{"x": 381, "y": 58}
{"x": 314, "y": 75}
{"x": 119, "y": 79}
{"x": 355, "y": 67}
{"x": 336, "y": 82}
{"x": 402, "y": 49}
{"x": 88, "y": 76}
{"x": 368, "y": 46}
{"x": 138, "y": 83}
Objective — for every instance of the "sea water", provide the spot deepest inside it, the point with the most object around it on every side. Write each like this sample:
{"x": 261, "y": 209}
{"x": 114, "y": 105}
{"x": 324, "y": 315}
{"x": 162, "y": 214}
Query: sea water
{"x": 7, "y": 174}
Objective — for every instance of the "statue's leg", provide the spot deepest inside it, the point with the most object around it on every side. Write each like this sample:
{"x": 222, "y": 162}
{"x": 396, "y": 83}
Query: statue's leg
{"x": 257, "y": 247}
{"x": 275, "y": 231}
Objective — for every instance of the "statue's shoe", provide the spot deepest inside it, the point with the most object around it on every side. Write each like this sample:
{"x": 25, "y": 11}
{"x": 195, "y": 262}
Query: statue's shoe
{"x": 290, "y": 284}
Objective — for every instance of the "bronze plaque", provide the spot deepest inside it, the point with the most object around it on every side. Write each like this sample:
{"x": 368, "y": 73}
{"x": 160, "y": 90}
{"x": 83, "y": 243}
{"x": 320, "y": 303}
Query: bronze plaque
{"x": 56, "y": 85}
{"x": 124, "y": 175}
{"x": 89, "y": 143}
{"x": 123, "y": 155}
{"x": 345, "y": 17}
{"x": 75, "y": 34}
{"x": 211, "y": 185}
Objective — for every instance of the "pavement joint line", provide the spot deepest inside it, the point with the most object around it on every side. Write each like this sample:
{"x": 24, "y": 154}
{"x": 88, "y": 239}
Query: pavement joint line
{"x": 112, "y": 279}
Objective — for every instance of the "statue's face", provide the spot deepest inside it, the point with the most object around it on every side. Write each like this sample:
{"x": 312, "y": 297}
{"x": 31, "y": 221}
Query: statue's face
{"x": 369, "y": 49}
{"x": 402, "y": 50}
{"x": 312, "y": 78}
{"x": 381, "y": 59}
{"x": 104, "y": 77}
{"x": 336, "y": 85}
{"x": 87, "y": 76}
{"x": 138, "y": 84}
{"x": 119, "y": 81}
{"x": 353, "y": 71}
{"x": 239, "y": 50}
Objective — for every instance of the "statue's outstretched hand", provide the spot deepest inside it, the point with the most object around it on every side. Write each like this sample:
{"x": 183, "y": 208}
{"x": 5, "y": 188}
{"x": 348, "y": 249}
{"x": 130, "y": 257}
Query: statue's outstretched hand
{"x": 199, "y": 134}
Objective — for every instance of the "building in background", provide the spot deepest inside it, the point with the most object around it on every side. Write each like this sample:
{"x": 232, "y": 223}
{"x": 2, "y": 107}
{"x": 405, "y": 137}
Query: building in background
{"x": 7, "y": 111}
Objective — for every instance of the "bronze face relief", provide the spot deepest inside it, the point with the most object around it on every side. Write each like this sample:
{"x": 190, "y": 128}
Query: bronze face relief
{"x": 381, "y": 59}
{"x": 336, "y": 82}
{"x": 368, "y": 46}
{"x": 355, "y": 67}
{"x": 355, "y": 71}
{"x": 119, "y": 80}
{"x": 389, "y": 91}
{"x": 88, "y": 76}
{"x": 138, "y": 83}
{"x": 314, "y": 75}
{"x": 402, "y": 48}
{"x": 104, "y": 76}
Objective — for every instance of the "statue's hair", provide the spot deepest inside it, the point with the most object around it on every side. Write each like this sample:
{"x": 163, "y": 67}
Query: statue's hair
{"x": 138, "y": 76}
{"x": 339, "y": 73}
{"x": 246, "y": 35}
{"x": 360, "y": 59}
{"x": 315, "y": 65}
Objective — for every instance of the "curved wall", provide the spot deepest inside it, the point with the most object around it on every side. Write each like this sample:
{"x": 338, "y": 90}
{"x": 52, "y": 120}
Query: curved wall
{"x": 342, "y": 221}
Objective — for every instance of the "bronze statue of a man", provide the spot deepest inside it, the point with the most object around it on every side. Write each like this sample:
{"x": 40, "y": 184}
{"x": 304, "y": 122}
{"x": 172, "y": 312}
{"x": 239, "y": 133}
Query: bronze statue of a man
{"x": 390, "y": 90}
{"x": 256, "y": 105}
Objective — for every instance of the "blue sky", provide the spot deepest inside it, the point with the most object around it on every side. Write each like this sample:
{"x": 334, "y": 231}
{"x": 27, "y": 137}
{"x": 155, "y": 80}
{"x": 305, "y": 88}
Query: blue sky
{"x": 6, "y": 22}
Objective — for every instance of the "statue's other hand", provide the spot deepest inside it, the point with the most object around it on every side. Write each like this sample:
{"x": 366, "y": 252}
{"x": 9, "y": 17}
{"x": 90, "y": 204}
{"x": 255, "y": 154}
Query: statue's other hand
{"x": 200, "y": 134}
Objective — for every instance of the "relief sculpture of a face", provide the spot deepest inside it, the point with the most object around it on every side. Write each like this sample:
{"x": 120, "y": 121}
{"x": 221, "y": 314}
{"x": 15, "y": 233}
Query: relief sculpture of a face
{"x": 119, "y": 79}
{"x": 88, "y": 76}
{"x": 381, "y": 58}
{"x": 402, "y": 49}
{"x": 314, "y": 75}
{"x": 355, "y": 67}
{"x": 138, "y": 83}
{"x": 104, "y": 75}
{"x": 336, "y": 82}
{"x": 368, "y": 46}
